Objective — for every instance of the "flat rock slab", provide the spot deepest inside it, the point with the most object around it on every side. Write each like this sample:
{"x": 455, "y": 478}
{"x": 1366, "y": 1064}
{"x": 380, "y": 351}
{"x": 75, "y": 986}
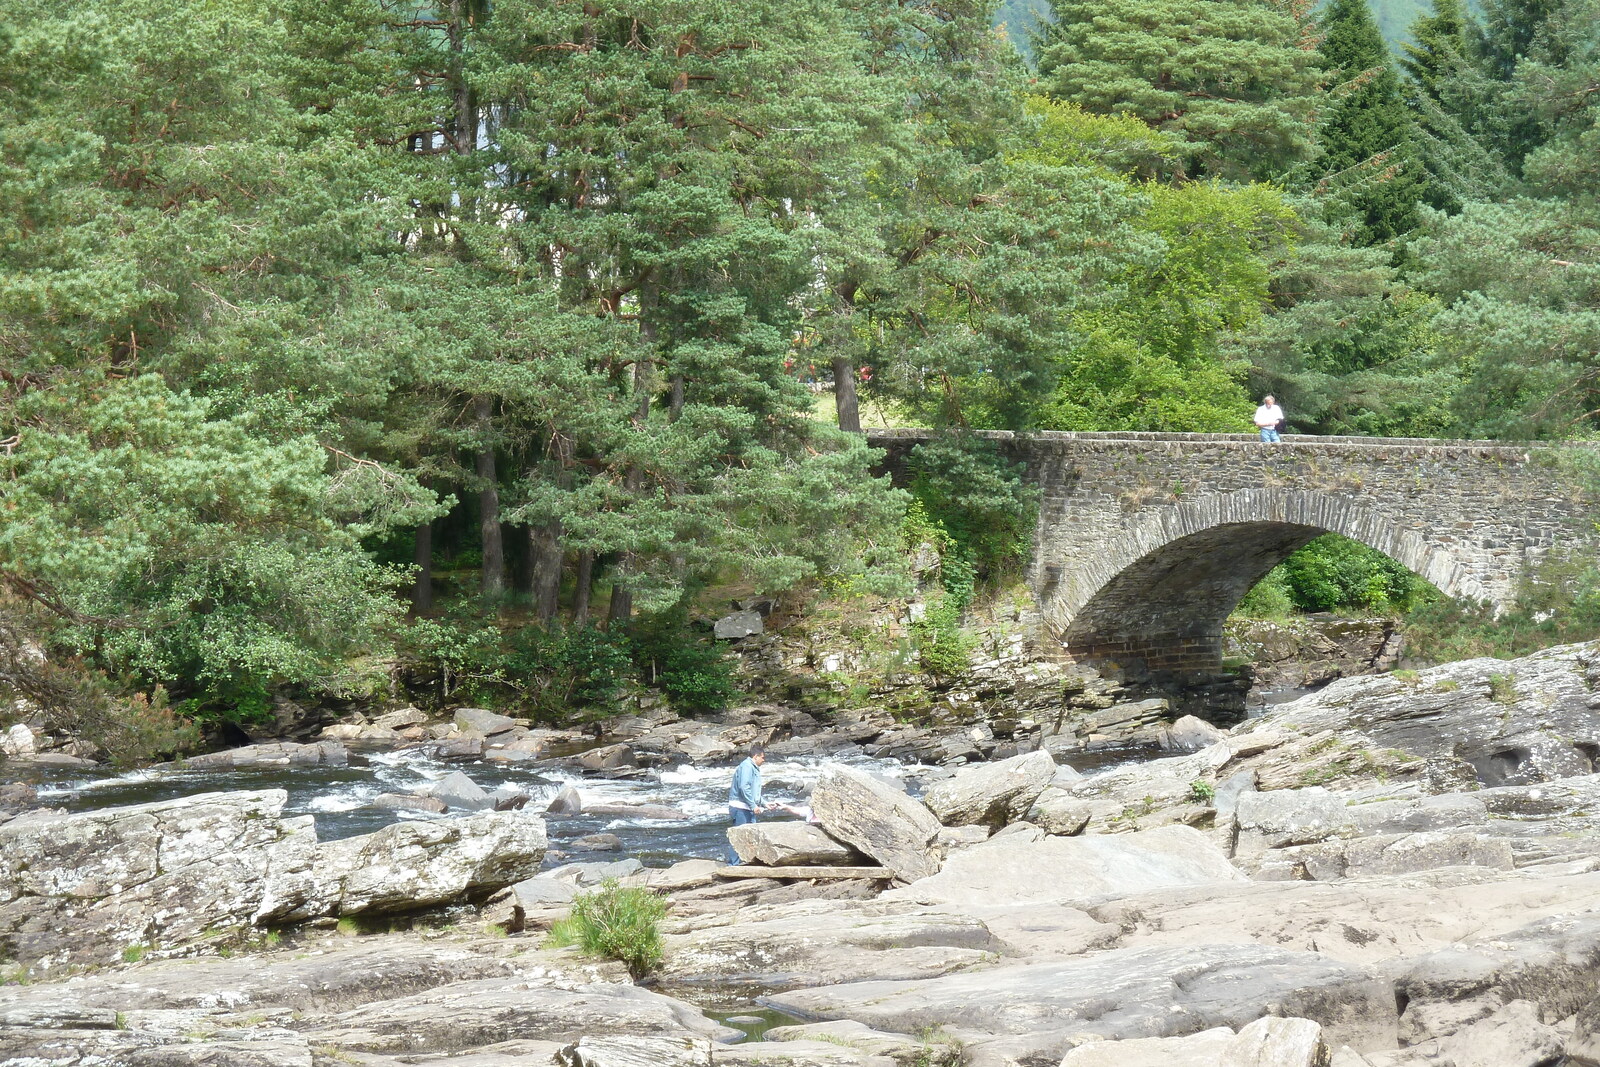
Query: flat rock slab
{"x": 879, "y": 820}
{"x": 1030, "y": 866}
{"x": 781, "y": 844}
{"x": 1120, "y": 994}
{"x": 814, "y": 942}
{"x": 466, "y": 1015}
{"x": 805, "y": 873}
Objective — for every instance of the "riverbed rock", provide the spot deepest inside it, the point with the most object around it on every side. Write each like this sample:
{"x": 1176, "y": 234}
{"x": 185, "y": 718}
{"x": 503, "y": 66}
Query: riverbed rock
{"x": 1513, "y": 1036}
{"x": 878, "y": 820}
{"x": 591, "y": 874}
{"x": 459, "y": 791}
{"x": 814, "y": 942}
{"x": 81, "y": 888}
{"x": 408, "y": 866}
{"x": 1386, "y": 854}
{"x": 797, "y": 1054}
{"x": 789, "y": 844}
{"x": 1033, "y": 1011}
{"x": 608, "y": 757}
{"x": 484, "y": 722}
{"x": 595, "y": 843}
{"x": 272, "y": 754}
{"x": 991, "y": 794}
{"x": 408, "y": 802}
{"x": 401, "y": 719}
{"x": 1515, "y": 722}
{"x": 702, "y": 748}
{"x": 566, "y": 802}
{"x": 1030, "y": 867}
{"x": 622, "y": 1051}
{"x": 1190, "y": 734}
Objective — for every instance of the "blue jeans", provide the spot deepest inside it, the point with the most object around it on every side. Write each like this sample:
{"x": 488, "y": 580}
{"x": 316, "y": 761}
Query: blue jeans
{"x": 1269, "y": 435}
{"x": 740, "y": 817}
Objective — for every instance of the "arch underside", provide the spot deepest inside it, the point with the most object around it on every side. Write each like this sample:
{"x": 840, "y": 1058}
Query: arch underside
{"x": 1165, "y": 611}
{"x": 1157, "y": 597}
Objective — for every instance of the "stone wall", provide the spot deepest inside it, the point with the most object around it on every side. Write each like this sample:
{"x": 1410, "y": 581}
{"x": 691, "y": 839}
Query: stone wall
{"x": 1146, "y": 542}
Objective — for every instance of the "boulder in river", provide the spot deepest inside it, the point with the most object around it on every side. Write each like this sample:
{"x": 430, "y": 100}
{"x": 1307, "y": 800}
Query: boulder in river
{"x": 789, "y": 844}
{"x": 608, "y": 757}
{"x": 878, "y": 820}
{"x": 991, "y": 794}
{"x": 459, "y": 791}
{"x": 566, "y": 802}
{"x": 407, "y": 802}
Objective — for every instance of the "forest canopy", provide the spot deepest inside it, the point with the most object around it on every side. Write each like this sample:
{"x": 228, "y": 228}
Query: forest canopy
{"x": 298, "y": 300}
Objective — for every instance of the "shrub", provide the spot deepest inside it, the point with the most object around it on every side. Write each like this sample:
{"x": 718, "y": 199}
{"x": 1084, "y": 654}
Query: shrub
{"x": 617, "y": 923}
{"x": 690, "y": 667}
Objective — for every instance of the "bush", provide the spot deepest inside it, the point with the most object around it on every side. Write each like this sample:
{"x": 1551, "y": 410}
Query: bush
{"x": 1269, "y": 598}
{"x": 1335, "y": 573}
{"x": 978, "y": 498}
{"x": 617, "y": 923}
{"x": 694, "y": 672}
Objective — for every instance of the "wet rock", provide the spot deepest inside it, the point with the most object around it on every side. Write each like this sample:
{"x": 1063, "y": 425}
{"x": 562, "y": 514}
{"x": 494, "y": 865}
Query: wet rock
{"x": 272, "y": 754}
{"x": 788, "y": 844}
{"x": 878, "y": 820}
{"x": 407, "y": 802}
{"x": 608, "y": 756}
{"x": 596, "y": 843}
{"x": 458, "y": 748}
{"x": 1038, "y": 1010}
{"x": 459, "y": 791}
{"x": 636, "y": 811}
{"x": 401, "y": 719}
{"x": 481, "y": 721}
{"x": 566, "y": 802}
{"x": 363, "y": 732}
{"x": 703, "y": 749}
{"x": 991, "y": 794}
{"x": 1020, "y": 868}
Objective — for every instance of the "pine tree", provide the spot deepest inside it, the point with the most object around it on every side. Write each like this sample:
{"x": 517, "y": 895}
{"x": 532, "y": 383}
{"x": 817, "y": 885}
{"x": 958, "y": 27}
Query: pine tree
{"x": 1235, "y": 78}
{"x": 1368, "y": 164}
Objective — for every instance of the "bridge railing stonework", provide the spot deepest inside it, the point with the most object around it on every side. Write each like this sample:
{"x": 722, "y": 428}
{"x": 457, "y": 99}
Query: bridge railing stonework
{"x": 1145, "y": 543}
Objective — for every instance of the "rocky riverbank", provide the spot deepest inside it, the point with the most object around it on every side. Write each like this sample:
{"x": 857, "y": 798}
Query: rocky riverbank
{"x": 1399, "y": 870}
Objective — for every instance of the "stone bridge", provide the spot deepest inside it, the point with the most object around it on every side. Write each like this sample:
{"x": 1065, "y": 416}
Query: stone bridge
{"x": 1146, "y": 542}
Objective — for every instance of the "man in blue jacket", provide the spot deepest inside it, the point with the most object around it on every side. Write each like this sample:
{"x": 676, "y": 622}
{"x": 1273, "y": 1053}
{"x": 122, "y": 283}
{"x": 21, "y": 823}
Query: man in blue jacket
{"x": 744, "y": 796}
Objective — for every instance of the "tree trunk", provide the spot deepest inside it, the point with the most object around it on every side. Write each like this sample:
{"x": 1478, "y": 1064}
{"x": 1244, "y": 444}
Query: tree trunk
{"x": 675, "y": 404}
{"x": 620, "y": 609}
{"x": 545, "y": 557}
{"x": 580, "y": 591}
{"x": 422, "y": 586}
{"x": 844, "y": 395}
{"x": 494, "y": 556}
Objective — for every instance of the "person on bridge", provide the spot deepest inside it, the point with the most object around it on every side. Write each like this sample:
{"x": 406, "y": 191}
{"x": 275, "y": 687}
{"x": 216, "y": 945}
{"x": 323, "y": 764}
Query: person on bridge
{"x": 744, "y": 796}
{"x": 1269, "y": 416}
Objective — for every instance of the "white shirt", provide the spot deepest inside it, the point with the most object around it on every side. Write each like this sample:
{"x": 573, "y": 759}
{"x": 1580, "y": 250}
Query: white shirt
{"x": 1268, "y": 415}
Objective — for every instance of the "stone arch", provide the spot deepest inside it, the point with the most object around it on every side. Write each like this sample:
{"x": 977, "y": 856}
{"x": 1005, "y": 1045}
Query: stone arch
{"x": 1157, "y": 595}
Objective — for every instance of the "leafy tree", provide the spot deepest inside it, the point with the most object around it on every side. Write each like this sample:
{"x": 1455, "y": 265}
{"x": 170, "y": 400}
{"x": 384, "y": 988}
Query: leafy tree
{"x": 1235, "y": 79}
{"x": 1367, "y": 162}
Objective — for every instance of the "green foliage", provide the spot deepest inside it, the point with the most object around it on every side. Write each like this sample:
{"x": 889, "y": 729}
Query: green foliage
{"x": 1334, "y": 573}
{"x": 1202, "y": 791}
{"x": 617, "y": 923}
{"x": 546, "y": 673}
{"x": 1558, "y": 602}
{"x": 1232, "y": 79}
{"x": 1269, "y": 598}
{"x": 689, "y": 666}
{"x": 978, "y": 499}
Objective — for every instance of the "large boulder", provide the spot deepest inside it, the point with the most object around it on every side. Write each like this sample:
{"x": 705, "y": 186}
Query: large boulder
{"x": 407, "y": 866}
{"x": 273, "y": 754}
{"x": 789, "y": 844}
{"x": 879, "y": 820}
{"x": 80, "y": 889}
{"x": 456, "y": 790}
{"x": 1029, "y": 867}
{"x": 1267, "y": 1042}
{"x": 991, "y": 794}
{"x": 482, "y": 721}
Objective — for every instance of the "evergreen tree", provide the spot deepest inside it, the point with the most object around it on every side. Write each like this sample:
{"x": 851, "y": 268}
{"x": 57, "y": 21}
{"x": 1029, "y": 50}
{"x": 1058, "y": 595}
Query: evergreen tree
{"x": 1368, "y": 165}
{"x": 1234, "y": 78}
